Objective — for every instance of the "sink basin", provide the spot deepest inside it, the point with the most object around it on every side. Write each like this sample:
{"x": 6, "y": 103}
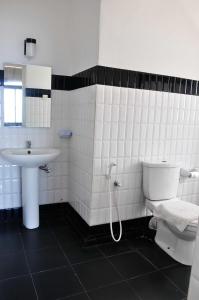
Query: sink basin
{"x": 30, "y": 158}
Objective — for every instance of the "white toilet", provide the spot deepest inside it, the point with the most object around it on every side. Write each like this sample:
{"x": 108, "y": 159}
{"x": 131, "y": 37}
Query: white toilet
{"x": 160, "y": 184}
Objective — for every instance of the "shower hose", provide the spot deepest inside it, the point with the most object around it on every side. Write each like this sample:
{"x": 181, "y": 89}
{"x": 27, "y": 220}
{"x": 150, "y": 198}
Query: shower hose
{"x": 111, "y": 208}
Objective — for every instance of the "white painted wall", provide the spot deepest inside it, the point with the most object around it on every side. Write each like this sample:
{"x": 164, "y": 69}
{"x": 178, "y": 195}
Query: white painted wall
{"x": 83, "y": 34}
{"x": 66, "y": 33}
{"x": 47, "y": 21}
{"x": 151, "y": 36}
{"x": 73, "y": 35}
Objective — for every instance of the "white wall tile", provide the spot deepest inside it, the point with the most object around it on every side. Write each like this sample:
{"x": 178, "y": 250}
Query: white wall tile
{"x": 157, "y": 126}
{"x": 84, "y": 120}
{"x": 109, "y": 124}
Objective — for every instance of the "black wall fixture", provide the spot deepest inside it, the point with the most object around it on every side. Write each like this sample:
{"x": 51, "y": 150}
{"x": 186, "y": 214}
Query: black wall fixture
{"x": 30, "y": 47}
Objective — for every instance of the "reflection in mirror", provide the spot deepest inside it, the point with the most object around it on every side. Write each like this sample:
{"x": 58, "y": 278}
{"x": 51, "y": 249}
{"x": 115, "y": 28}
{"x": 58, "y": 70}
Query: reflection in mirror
{"x": 13, "y": 95}
{"x": 27, "y": 95}
{"x": 37, "y": 111}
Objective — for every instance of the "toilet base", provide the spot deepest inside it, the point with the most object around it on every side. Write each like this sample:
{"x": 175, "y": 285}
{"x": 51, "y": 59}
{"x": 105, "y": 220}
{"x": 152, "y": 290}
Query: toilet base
{"x": 179, "y": 249}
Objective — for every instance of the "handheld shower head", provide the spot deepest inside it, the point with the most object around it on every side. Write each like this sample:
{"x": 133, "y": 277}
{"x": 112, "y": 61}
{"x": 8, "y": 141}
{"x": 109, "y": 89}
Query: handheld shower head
{"x": 110, "y": 169}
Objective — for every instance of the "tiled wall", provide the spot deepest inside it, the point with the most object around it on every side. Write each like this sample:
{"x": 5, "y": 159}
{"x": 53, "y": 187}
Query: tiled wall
{"x": 132, "y": 125}
{"x": 38, "y": 112}
{"x": 53, "y": 186}
{"x": 110, "y": 124}
{"x": 194, "y": 280}
{"x": 82, "y": 116}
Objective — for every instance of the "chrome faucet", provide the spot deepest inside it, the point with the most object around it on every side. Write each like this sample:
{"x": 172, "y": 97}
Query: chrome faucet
{"x": 28, "y": 144}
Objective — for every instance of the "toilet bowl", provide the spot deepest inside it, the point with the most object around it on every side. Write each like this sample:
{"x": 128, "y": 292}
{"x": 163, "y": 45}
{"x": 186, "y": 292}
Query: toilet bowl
{"x": 160, "y": 184}
{"x": 190, "y": 231}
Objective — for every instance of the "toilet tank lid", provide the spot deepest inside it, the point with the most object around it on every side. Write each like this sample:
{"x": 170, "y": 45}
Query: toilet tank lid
{"x": 161, "y": 164}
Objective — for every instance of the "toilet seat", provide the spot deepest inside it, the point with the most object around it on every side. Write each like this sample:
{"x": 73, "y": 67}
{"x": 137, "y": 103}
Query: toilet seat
{"x": 153, "y": 205}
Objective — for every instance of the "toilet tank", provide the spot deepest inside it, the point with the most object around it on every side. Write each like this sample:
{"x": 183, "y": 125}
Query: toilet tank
{"x": 160, "y": 180}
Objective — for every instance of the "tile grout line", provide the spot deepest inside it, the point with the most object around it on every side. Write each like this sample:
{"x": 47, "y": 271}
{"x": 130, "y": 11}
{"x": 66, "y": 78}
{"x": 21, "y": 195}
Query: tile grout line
{"x": 50, "y": 269}
{"x": 104, "y": 256}
{"x": 126, "y": 281}
{"x": 148, "y": 260}
{"x": 13, "y": 277}
{"x": 142, "y": 275}
{"x": 160, "y": 270}
{"x": 71, "y": 266}
{"x": 29, "y": 269}
{"x": 172, "y": 282}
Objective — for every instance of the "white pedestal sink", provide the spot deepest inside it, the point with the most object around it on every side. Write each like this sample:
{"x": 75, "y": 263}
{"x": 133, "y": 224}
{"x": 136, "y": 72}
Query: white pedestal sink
{"x": 30, "y": 160}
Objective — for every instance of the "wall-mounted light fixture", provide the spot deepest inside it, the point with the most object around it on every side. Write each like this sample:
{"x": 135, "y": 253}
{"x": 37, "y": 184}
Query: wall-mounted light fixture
{"x": 29, "y": 47}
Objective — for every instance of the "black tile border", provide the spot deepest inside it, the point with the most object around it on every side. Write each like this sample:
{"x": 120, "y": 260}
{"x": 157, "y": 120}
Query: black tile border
{"x": 61, "y": 82}
{"x": 123, "y": 78}
{"x": 29, "y": 92}
{"x": 134, "y": 79}
{"x": 92, "y": 235}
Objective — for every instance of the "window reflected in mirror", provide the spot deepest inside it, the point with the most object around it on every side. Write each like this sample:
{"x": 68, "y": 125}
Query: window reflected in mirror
{"x": 13, "y": 95}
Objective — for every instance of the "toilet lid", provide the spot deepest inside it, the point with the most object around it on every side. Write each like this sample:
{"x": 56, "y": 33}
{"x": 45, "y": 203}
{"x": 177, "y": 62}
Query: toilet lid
{"x": 153, "y": 206}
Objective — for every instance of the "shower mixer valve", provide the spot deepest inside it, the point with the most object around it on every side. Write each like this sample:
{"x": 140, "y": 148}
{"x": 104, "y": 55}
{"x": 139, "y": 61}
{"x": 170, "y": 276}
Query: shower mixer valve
{"x": 117, "y": 183}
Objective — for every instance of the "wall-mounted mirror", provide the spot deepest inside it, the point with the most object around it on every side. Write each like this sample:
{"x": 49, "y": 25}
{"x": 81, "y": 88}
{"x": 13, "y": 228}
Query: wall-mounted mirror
{"x": 27, "y": 96}
{"x": 13, "y": 95}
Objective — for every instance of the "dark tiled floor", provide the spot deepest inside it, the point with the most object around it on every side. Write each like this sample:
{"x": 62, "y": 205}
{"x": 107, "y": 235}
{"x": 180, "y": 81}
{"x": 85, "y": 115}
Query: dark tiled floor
{"x": 155, "y": 286}
{"x": 50, "y": 263}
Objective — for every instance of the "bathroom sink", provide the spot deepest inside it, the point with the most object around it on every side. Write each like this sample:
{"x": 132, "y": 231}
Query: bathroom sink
{"x": 30, "y": 158}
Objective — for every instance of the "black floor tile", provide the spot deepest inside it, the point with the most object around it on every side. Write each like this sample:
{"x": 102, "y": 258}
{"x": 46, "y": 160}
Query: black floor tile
{"x": 96, "y": 273}
{"x": 10, "y": 242}
{"x": 110, "y": 249}
{"x": 120, "y": 291}
{"x": 12, "y": 265}
{"x": 76, "y": 253}
{"x": 9, "y": 228}
{"x": 20, "y": 288}
{"x": 139, "y": 243}
{"x": 57, "y": 283}
{"x": 66, "y": 234}
{"x": 79, "y": 297}
{"x": 54, "y": 279}
{"x": 46, "y": 258}
{"x": 131, "y": 264}
{"x": 155, "y": 286}
{"x": 180, "y": 275}
{"x": 38, "y": 239}
{"x": 157, "y": 256}
{"x": 57, "y": 221}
